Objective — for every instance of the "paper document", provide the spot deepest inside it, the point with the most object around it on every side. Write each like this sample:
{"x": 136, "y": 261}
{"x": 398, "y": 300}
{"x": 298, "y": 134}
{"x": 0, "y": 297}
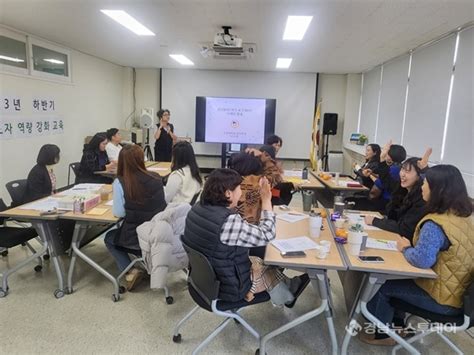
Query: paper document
{"x": 47, "y": 204}
{"x": 293, "y": 173}
{"x": 110, "y": 203}
{"x": 97, "y": 211}
{"x": 81, "y": 188}
{"x": 295, "y": 244}
{"x": 381, "y": 244}
{"x": 291, "y": 217}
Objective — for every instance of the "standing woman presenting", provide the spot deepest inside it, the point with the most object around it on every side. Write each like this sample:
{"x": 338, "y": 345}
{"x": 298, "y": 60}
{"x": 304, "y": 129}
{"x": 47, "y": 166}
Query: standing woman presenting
{"x": 164, "y": 136}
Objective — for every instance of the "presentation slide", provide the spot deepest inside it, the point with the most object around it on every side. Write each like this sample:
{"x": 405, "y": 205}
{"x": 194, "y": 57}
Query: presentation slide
{"x": 235, "y": 120}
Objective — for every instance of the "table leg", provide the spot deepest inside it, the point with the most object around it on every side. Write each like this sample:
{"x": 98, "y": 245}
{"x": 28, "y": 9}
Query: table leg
{"x": 44, "y": 230}
{"x": 371, "y": 285}
{"x": 79, "y": 231}
{"x": 318, "y": 280}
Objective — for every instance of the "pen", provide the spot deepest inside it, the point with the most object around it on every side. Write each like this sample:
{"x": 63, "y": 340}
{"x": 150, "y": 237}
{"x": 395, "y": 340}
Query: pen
{"x": 295, "y": 214}
{"x": 382, "y": 241}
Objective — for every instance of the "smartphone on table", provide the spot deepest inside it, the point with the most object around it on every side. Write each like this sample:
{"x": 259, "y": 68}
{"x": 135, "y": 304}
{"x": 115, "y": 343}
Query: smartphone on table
{"x": 371, "y": 259}
{"x": 293, "y": 254}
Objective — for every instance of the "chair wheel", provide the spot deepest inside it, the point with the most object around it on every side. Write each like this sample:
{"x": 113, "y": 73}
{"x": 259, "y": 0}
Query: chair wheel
{"x": 68, "y": 290}
{"x": 46, "y": 257}
{"x": 59, "y": 293}
{"x": 177, "y": 338}
{"x": 122, "y": 289}
{"x": 5, "y": 253}
{"x": 169, "y": 300}
{"x": 3, "y": 293}
{"x": 38, "y": 268}
{"x": 115, "y": 298}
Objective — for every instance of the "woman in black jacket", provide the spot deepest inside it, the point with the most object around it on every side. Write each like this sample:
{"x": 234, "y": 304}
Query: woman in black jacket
{"x": 94, "y": 158}
{"x": 406, "y": 207}
{"x": 41, "y": 179}
{"x": 371, "y": 165}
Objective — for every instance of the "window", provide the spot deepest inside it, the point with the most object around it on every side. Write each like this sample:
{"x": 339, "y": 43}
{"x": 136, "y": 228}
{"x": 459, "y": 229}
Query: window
{"x": 49, "y": 61}
{"x": 13, "y": 57}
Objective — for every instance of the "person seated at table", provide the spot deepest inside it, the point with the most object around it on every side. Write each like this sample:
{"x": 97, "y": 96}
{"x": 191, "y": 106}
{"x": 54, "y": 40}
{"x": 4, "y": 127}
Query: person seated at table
{"x": 95, "y": 159}
{"x": 282, "y": 192}
{"x": 138, "y": 195}
{"x": 371, "y": 165}
{"x": 443, "y": 242}
{"x": 114, "y": 144}
{"x": 274, "y": 141}
{"x": 406, "y": 207}
{"x": 184, "y": 182}
{"x": 250, "y": 169}
{"x": 41, "y": 183}
{"x": 387, "y": 180}
{"x": 214, "y": 229}
{"x": 41, "y": 180}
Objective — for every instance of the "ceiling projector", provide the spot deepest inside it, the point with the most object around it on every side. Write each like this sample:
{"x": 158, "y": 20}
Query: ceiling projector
{"x": 225, "y": 39}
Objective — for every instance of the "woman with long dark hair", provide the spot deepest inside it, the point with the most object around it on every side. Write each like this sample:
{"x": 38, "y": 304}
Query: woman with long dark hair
{"x": 371, "y": 165}
{"x": 94, "y": 158}
{"x": 138, "y": 195}
{"x": 442, "y": 241}
{"x": 406, "y": 206}
{"x": 184, "y": 182}
{"x": 41, "y": 179}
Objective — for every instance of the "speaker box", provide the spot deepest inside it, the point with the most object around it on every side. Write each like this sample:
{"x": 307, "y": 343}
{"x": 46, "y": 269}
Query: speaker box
{"x": 330, "y": 123}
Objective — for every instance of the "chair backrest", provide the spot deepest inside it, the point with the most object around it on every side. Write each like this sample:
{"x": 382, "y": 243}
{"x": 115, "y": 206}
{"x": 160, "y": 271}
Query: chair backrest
{"x": 469, "y": 303}
{"x": 201, "y": 275}
{"x": 3, "y": 207}
{"x": 75, "y": 168}
{"x": 17, "y": 191}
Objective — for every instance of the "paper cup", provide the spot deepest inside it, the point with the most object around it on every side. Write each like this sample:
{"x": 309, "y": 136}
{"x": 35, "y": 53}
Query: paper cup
{"x": 321, "y": 254}
{"x": 339, "y": 223}
{"x": 354, "y": 249}
{"x": 325, "y": 245}
{"x": 315, "y": 226}
{"x": 355, "y": 237}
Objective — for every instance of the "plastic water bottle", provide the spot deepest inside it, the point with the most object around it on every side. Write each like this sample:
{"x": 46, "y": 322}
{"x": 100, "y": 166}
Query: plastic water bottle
{"x": 305, "y": 174}
{"x": 76, "y": 206}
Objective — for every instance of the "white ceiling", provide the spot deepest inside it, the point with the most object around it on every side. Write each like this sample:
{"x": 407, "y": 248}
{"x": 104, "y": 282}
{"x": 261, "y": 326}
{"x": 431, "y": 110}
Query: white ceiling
{"x": 345, "y": 35}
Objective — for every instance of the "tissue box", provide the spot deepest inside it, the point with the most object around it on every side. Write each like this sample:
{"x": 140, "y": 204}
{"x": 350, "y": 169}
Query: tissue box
{"x": 90, "y": 201}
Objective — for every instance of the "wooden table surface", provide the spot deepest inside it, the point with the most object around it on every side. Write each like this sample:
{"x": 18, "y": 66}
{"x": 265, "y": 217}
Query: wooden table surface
{"x": 394, "y": 261}
{"x": 285, "y": 230}
{"x": 331, "y": 184}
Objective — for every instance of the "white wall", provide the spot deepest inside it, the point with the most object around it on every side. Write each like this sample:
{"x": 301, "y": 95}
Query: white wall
{"x": 294, "y": 92}
{"x": 92, "y": 103}
{"x": 332, "y": 92}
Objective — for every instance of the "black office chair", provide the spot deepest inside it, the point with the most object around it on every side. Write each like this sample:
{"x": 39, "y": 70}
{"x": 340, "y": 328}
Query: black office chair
{"x": 12, "y": 237}
{"x": 438, "y": 323}
{"x": 203, "y": 287}
{"x": 17, "y": 191}
{"x": 75, "y": 168}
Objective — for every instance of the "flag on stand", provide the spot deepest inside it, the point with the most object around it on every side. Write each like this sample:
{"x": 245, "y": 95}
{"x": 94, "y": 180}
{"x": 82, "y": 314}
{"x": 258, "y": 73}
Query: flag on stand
{"x": 313, "y": 154}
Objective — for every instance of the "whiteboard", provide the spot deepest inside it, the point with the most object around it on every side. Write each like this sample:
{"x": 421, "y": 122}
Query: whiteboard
{"x": 294, "y": 94}
{"x": 370, "y": 97}
{"x": 392, "y": 100}
{"x": 430, "y": 77}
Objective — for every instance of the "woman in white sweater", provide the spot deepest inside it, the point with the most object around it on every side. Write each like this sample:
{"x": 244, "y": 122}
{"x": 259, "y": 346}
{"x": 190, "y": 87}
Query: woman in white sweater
{"x": 184, "y": 182}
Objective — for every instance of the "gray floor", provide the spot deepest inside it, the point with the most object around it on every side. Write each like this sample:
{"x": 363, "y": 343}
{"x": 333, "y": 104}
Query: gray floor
{"x": 33, "y": 321}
